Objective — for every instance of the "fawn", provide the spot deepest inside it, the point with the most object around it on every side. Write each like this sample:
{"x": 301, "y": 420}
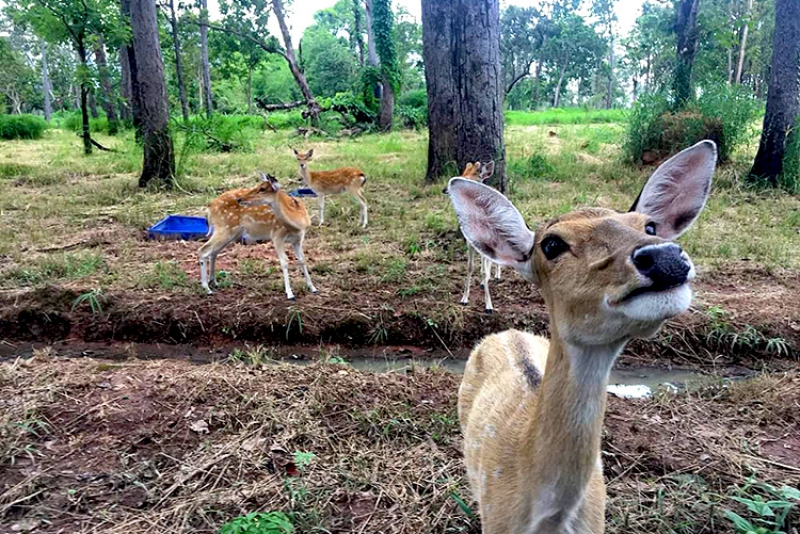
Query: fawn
{"x": 478, "y": 173}
{"x": 531, "y": 412}
{"x": 261, "y": 213}
{"x": 337, "y": 181}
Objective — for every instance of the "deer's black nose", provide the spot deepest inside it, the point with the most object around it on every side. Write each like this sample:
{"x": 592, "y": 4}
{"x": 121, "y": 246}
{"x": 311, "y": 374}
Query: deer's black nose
{"x": 239, "y": 201}
{"x": 664, "y": 264}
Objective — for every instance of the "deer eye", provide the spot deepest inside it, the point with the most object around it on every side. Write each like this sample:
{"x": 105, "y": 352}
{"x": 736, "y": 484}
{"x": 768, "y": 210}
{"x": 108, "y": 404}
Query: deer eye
{"x": 553, "y": 246}
{"x": 263, "y": 190}
{"x": 650, "y": 228}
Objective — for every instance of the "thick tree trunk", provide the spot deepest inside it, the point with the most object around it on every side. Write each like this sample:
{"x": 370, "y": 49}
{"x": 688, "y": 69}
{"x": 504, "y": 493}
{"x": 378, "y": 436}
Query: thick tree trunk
{"x": 461, "y": 48}
{"x": 173, "y": 20}
{"x": 135, "y": 85}
{"x": 359, "y": 31}
{"x": 45, "y": 83}
{"x": 557, "y": 96}
{"x": 300, "y": 78}
{"x": 124, "y": 84}
{"x": 209, "y": 101}
{"x": 743, "y": 44}
{"x": 86, "y": 134}
{"x": 387, "y": 107}
{"x": 159, "y": 159}
{"x": 686, "y": 30}
{"x": 783, "y": 96}
{"x": 107, "y": 100}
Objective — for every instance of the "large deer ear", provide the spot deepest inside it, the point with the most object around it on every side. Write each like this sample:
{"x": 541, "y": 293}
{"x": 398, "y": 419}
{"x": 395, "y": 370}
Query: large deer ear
{"x": 492, "y": 225}
{"x": 487, "y": 171}
{"x": 676, "y": 193}
{"x": 310, "y": 153}
{"x": 468, "y": 169}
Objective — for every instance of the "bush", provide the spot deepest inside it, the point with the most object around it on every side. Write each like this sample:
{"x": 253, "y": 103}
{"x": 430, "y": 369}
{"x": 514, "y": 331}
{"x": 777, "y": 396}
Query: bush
{"x": 223, "y": 133}
{"x": 412, "y": 117}
{"x": 22, "y": 126}
{"x": 723, "y": 114}
{"x": 284, "y": 120}
{"x": 417, "y": 98}
{"x": 74, "y": 123}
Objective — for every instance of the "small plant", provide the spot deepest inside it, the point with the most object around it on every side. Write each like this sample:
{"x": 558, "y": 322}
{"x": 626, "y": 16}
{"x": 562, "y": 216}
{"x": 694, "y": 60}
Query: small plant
{"x": 303, "y": 459}
{"x": 767, "y": 505}
{"x": 259, "y": 523}
{"x": 93, "y": 297}
{"x": 294, "y": 317}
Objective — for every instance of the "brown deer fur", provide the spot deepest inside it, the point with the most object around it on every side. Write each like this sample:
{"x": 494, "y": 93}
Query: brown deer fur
{"x": 261, "y": 213}
{"x": 335, "y": 182}
{"x": 531, "y": 411}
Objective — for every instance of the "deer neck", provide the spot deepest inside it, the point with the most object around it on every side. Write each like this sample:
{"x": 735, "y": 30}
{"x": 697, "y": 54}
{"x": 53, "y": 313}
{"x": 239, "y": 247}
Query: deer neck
{"x": 306, "y": 175}
{"x": 281, "y": 207}
{"x": 564, "y": 436}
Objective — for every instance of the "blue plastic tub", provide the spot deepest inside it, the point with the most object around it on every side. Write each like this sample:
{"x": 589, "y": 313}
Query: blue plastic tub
{"x": 174, "y": 227}
{"x": 302, "y": 192}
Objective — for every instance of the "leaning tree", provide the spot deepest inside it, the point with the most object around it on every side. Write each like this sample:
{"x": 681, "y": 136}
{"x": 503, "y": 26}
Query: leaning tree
{"x": 461, "y": 49}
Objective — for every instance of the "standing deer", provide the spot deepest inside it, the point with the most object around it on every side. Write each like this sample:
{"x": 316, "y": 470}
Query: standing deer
{"x": 531, "y": 412}
{"x": 478, "y": 173}
{"x": 335, "y": 182}
{"x": 261, "y": 213}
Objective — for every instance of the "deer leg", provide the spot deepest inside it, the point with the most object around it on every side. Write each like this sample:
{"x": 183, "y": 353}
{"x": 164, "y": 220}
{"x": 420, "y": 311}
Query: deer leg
{"x": 483, "y": 273}
{"x": 298, "y": 252}
{"x": 208, "y": 255}
{"x": 363, "y": 202}
{"x": 321, "y": 209}
{"x": 280, "y": 248}
{"x": 487, "y": 274}
{"x": 497, "y": 271}
{"x": 470, "y": 266}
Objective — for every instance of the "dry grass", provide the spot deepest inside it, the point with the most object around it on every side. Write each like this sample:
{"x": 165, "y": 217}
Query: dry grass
{"x": 165, "y": 446}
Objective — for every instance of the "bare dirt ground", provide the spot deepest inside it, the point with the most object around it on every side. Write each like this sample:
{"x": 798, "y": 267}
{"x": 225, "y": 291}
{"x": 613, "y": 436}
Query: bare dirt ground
{"x": 168, "y": 446}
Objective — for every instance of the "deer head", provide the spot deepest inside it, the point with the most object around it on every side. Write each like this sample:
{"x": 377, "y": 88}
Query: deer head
{"x": 476, "y": 172}
{"x": 606, "y": 276}
{"x": 303, "y": 157}
{"x": 263, "y": 194}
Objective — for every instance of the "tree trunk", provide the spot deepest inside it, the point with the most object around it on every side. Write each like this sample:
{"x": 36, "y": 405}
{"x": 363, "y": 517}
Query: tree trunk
{"x": 107, "y": 100}
{"x": 86, "y": 134}
{"x": 313, "y": 107}
{"x": 249, "y": 90}
{"x": 209, "y": 104}
{"x": 372, "y": 50}
{"x": 730, "y": 66}
{"x": 686, "y": 30}
{"x": 387, "y": 107}
{"x": 159, "y": 159}
{"x": 359, "y": 31}
{"x": 133, "y": 70}
{"x": 461, "y": 49}
{"x": 610, "y": 89}
{"x": 124, "y": 84}
{"x": 93, "y": 105}
{"x": 45, "y": 83}
{"x": 537, "y": 75}
{"x": 557, "y": 96}
{"x": 173, "y": 20}
{"x": 783, "y": 95}
{"x": 743, "y": 45}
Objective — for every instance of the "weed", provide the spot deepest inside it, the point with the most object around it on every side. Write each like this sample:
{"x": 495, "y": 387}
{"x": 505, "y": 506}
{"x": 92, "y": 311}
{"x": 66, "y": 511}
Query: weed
{"x": 164, "y": 275}
{"x": 294, "y": 317}
{"x": 259, "y": 523}
{"x": 256, "y": 356}
{"x": 93, "y": 297}
{"x": 768, "y": 507}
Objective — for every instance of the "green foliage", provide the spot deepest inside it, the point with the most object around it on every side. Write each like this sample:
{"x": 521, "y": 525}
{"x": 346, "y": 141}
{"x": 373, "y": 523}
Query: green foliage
{"x": 564, "y": 116}
{"x": 223, "y": 133}
{"x": 723, "y": 114}
{"x": 259, "y": 523}
{"x": 330, "y": 66}
{"x": 352, "y": 108}
{"x": 412, "y": 117}
{"x": 382, "y": 24}
{"x": 790, "y": 179}
{"x": 74, "y": 123}
{"x": 768, "y": 508}
{"x": 418, "y": 98}
{"x": 21, "y": 126}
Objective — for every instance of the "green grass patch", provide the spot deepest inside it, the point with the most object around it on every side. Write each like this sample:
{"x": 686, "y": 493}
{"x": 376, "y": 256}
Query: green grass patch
{"x": 564, "y": 116}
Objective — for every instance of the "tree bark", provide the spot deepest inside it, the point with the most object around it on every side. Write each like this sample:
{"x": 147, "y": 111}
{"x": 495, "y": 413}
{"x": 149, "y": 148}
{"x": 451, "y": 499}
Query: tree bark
{"x": 93, "y": 105}
{"x": 783, "y": 95}
{"x": 610, "y": 88}
{"x": 135, "y": 85}
{"x": 686, "y": 30}
{"x": 557, "y": 96}
{"x": 537, "y": 75}
{"x": 743, "y": 45}
{"x": 173, "y": 20}
{"x": 159, "y": 159}
{"x": 313, "y": 107}
{"x": 249, "y": 90}
{"x": 124, "y": 84}
{"x": 45, "y": 83}
{"x": 461, "y": 49}
{"x": 209, "y": 101}
{"x": 107, "y": 100}
{"x": 386, "y": 115}
{"x": 359, "y": 31}
{"x": 86, "y": 134}
{"x": 372, "y": 50}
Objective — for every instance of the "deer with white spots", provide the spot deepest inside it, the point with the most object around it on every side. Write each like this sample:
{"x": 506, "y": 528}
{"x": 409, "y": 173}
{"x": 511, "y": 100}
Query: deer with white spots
{"x": 482, "y": 174}
{"x": 335, "y": 182}
{"x": 262, "y": 213}
{"x": 531, "y": 411}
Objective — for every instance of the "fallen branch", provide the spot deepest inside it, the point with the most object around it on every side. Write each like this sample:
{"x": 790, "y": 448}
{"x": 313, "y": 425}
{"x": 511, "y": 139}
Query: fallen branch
{"x": 101, "y": 147}
{"x": 277, "y": 107}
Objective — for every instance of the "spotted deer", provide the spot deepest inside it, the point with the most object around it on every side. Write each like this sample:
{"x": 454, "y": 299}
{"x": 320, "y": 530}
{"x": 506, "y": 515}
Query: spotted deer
{"x": 335, "y": 182}
{"x": 531, "y": 411}
{"x": 262, "y": 213}
{"x": 478, "y": 173}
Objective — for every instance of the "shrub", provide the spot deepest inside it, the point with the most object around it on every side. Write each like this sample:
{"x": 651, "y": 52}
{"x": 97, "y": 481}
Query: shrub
{"x": 722, "y": 114}
{"x": 74, "y": 123}
{"x": 21, "y": 126}
{"x": 223, "y": 133}
{"x": 417, "y": 98}
{"x": 284, "y": 120}
{"x": 412, "y": 117}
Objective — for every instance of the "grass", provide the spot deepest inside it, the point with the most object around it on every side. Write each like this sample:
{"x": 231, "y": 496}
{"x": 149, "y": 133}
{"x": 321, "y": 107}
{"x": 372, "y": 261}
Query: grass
{"x": 564, "y": 116}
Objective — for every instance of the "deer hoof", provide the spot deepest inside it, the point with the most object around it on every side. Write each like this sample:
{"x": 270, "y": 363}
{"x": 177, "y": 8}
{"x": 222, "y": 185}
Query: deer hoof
{"x": 316, "y": 292}
{"x": 292, "y": 299}
{"x": 490, "y": 311}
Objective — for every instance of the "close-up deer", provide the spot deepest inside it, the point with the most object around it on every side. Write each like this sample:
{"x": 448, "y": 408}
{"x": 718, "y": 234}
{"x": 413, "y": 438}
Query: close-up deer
{"x": 478, "y": 173}
{"x": 335, "y": 182}
{"x": 262, "y": 213}
{"x": 531, "y": 411}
